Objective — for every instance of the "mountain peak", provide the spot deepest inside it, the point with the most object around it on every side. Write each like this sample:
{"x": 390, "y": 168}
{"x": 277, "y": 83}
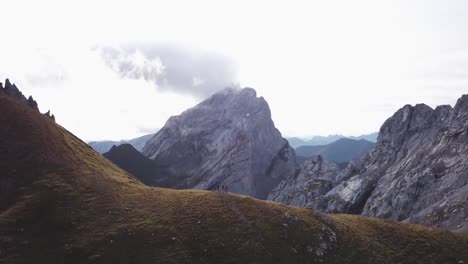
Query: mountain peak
{"x": 462, "y": 104}
{"x": 249, "y": 92}
{"x": 7, "y": 83}
{"x": 405, "y": 122}
{"x": 13, "y": 91}
{"x": 237, "y": 91}
{"x": 231, "y": 123}
{"x": 123, "y": 147}
{"x": 463, "y": 100}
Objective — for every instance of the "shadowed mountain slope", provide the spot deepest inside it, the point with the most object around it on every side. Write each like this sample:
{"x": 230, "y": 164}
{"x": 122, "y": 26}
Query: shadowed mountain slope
{"x": 144, "y": 169}
{"x": 105, "y": 145}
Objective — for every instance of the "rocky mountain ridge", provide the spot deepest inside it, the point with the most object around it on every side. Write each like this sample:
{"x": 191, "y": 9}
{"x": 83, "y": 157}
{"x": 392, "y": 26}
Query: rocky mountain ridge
{"x": 12, "y": 91}
{"x": 228, "y": 139}
{"x": 417, "y": 172}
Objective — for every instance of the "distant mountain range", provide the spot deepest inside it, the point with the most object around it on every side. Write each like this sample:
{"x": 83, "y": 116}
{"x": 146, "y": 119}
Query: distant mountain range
{"x": 105, "y": 145}
{"x": 296, "y": 142}
{"x": 138, "y": 143}
{"x": 341, "y": 151}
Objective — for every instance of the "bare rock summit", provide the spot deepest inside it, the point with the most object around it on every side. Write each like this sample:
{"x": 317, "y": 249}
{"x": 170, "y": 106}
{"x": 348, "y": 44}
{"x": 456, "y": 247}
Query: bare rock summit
{"x": 228, "y": 139}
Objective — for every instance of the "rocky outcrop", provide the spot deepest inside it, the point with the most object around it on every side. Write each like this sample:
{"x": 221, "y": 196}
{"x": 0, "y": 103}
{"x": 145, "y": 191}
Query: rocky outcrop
{"x": 417, "y": 172}
{"x": 315, "y": 179}
{"x": 12, "y": 91}
{"x": 228, "y": 139}
{"x": 49, "y": 115}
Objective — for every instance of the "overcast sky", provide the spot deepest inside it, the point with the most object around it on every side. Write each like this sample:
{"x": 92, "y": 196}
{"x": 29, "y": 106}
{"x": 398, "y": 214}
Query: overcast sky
{"x": 119, "y": 69}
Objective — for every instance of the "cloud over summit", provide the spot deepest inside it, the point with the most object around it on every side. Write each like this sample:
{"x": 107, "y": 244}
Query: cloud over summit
{"x": 172, "y": 68}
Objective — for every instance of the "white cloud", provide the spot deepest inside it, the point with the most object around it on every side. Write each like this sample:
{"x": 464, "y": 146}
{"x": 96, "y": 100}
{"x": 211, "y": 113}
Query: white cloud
{"x": 172, "y": 68}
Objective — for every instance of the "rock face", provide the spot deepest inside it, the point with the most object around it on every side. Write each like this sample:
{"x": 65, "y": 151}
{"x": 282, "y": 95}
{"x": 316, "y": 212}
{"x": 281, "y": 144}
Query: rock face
{"x": 49, "y": 115}
{"x": 417, "y": 172}
{"x": 315, "y": 179}
{"x": 228, "y": 139}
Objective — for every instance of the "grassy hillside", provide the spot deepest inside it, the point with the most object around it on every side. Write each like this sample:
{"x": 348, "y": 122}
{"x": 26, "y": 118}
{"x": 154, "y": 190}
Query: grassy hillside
{"x": 62, "y": 202}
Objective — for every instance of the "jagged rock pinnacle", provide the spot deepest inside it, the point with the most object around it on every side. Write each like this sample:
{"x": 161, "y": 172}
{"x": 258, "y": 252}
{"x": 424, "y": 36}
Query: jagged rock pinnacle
{"x": 12, "y": 91}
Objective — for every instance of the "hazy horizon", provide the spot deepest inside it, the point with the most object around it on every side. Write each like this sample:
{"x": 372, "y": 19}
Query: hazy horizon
{"x": 113, "y": 70}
